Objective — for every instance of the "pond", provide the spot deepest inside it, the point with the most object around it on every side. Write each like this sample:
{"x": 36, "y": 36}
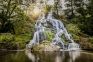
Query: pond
{"x": 63, "y": 56}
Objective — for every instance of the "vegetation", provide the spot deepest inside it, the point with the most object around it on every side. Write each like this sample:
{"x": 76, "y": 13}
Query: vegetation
{"x": 17, "y": 27}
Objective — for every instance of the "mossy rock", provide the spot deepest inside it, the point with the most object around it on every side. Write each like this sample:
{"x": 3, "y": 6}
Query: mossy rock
{"x": 45, "y": 46}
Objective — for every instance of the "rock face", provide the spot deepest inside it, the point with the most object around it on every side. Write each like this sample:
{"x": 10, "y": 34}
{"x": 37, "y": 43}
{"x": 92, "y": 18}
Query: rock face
{"x": 46, "y": 46}
{"x": 51, "y": 48}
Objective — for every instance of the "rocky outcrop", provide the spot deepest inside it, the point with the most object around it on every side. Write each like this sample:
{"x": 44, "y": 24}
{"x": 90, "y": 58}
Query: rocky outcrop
{"x": 46, "y": 46}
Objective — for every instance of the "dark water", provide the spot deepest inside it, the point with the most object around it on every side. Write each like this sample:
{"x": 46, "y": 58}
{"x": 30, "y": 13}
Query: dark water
{"x": 27, "y": 56}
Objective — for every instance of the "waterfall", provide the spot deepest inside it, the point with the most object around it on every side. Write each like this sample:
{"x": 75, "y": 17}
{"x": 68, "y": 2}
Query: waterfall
{"x": 59, "y": 29}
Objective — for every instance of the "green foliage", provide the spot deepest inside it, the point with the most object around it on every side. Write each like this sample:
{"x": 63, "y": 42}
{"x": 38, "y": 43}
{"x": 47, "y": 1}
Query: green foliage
{"x": 9, "y": 41}
{"x": 21, "y": 40}
{"x": 49, "y": 35}
{"x": 12, "y": 18}
{"x": 86, "y": 26}
{"x": 22, "y": 24}
{"x": 15, "y": 26}
{"x": 6, "y": 37}
{"x": 7, "y": 8}
{"x": 47, "y": 8}
{"x": 85, "y": 19}
{"x": 73, "y": 28}
{"x": 6, "y": 41}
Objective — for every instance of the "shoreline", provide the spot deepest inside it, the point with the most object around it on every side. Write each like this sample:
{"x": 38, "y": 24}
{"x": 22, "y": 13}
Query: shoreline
{"x": 88, "y": 50}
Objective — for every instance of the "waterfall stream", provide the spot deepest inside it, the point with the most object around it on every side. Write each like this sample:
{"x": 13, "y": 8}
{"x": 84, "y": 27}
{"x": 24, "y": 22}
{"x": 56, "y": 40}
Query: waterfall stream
{"x": 60, "y": 29}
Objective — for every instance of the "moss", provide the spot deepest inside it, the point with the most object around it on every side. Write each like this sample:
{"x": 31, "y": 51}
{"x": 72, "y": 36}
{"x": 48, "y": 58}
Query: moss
{"x": 10, "y": 41}
{"x": 7, "y": 37}
{"x": 45, "y": 46}
{"x": 49, "y": 35}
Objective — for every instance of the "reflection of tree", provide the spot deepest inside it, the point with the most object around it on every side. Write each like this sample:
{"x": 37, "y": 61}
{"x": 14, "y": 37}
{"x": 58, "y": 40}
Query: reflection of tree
{"x": 73, "y": 55}
{"x": 64, "y": 56}
{"x": 60, "y": 57}
{"x": 69, "y": 56}
{"x": 31, "y": 56}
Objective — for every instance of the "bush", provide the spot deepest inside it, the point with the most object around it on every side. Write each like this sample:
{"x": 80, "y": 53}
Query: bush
{"x": 73, "y": 28}
{"x": 7, "y": 37}
{"x": 9, "y": 41}
{"x": 6, "y": 41}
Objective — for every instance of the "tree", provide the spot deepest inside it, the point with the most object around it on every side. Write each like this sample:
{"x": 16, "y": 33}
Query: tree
{"x": 72, "y": 7}
{"x": 7, "y": 8}
{"x": 11, "y": 14}
{"x": 86, "y": 18}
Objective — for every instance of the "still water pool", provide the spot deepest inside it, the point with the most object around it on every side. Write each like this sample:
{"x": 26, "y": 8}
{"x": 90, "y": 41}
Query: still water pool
{"x": 27, "y": 56}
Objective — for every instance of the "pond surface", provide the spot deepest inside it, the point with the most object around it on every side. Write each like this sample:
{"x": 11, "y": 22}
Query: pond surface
{"x": 27, "y": 56}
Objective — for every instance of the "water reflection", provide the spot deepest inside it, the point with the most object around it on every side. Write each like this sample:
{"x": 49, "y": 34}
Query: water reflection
{"x": 63, "y": 56}
{"x": 60, "y": 57}
{"x": 73, "y": 55}
{"x": 28, "y": 56}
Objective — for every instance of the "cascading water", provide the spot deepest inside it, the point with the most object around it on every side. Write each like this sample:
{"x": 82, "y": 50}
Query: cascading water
{"x": 59, "y": 29}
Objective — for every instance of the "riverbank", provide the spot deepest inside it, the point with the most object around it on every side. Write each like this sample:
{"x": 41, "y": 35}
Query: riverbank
{"x": 46, "y": 46}
{"x": 10, "y": 41}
